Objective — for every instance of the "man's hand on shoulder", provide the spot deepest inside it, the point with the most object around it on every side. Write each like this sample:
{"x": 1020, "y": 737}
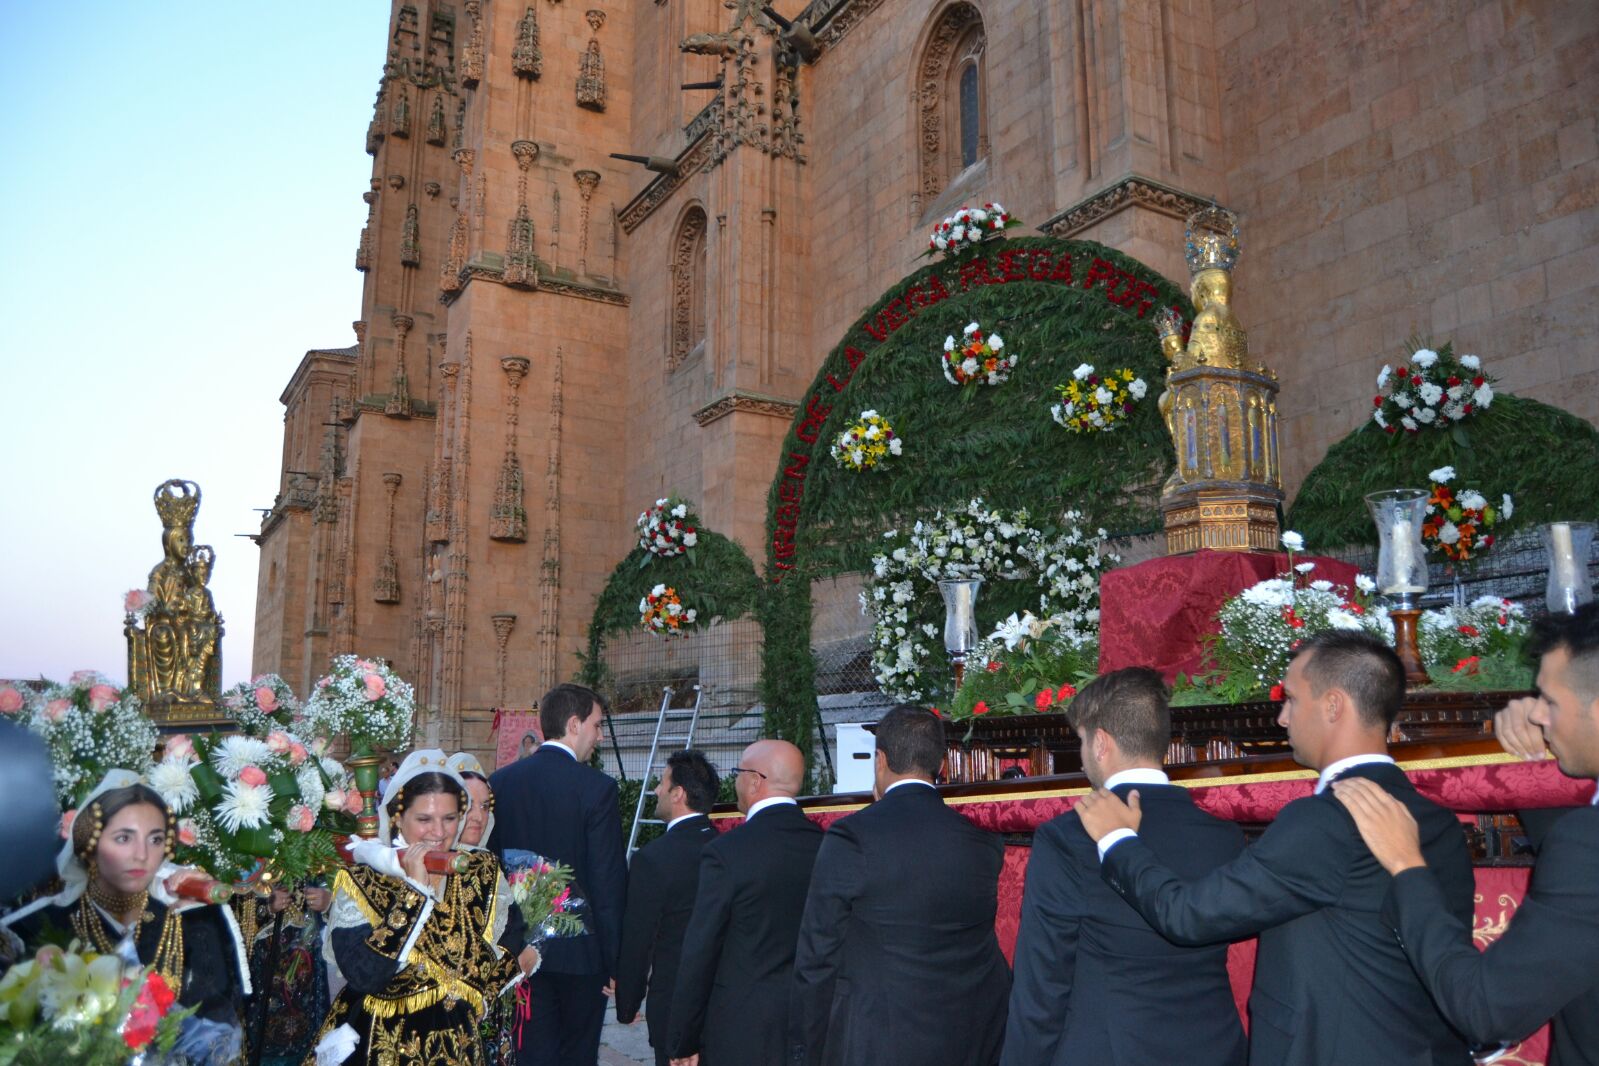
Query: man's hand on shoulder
{"x": 1385, "y": 824}
{"x": 1102, "y": 812}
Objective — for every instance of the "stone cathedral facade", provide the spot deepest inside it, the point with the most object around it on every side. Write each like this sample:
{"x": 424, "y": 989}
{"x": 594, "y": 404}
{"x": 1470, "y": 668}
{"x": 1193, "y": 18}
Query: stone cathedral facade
{"x": 550, "y": 337}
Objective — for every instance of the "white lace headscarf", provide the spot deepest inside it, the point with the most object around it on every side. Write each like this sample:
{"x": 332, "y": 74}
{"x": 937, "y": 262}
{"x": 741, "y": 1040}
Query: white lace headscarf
{"x": 423, "y": 761}
{"x": 464, "y": 762}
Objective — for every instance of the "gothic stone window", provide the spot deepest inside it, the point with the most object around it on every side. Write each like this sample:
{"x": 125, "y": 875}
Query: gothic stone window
{"x": 952, "y": 98}
{"x": 687, "y": 325}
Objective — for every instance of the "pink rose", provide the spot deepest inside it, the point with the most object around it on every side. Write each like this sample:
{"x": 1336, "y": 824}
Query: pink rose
{"x": 374, "y": 687}
{"x": 135, "y": 601}
{"x": 266, "y": 699}
{"x": 179, "y": 746}
{"x": 67, "y": 818}
{"x": 83, "y": 677}
{"x": 353, "y": 803}
{"x": 366, "y": 665}
{"x": 278, "y": 742}
{"x": 252, "y": 775}
{"x": 186, "y": 833}
{"x": 56, "y": 710}
{"x": 296, "y": 754}
{"x": 101, "y": 697}
{"x": 47, "y": 956}
{"x": 301, "y": 820}
{"x": 10, "y": 700}
{"x": 334, "y": 800}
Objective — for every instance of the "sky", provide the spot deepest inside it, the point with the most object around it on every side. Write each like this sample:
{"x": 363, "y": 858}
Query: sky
{"x": 180, "y": 201}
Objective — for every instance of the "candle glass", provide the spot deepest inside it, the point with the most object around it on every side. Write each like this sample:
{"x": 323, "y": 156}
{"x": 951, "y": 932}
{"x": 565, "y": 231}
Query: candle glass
{"x": 1569, "y": 545}
{"x": 960, "y": 620}
{"x": 1401, "y": 556}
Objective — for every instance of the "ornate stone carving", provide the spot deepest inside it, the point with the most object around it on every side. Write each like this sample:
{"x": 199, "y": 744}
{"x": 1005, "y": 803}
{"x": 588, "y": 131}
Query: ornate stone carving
{"x": 398, "y": 404}
{"x": 330, "y": 464}
{"x": 508, "y": 517}
{"x": 550, "y": 563}
{"x": 688, "y": 288}
{"x": 591, "y": 77}
{"x": 503, "y": 624}
{"x": 526, "y": 59}
{"x": 399, "y": 110}
{"x": 707, "y": 121}
{"x": 374, "y": 129}
{"x": 521, "y": 256}
{"x": 587, "y": 182}
{"x": 932, "y": 79}
{"x": 436, "y": 523}
{"x": 1129, "y": 192}
{"x": 455, "y": 257}
{"x": 363, "y": 250}
{"x": 386, "y": 583}
{"x": 411, "y": 238}
{"x": 175, "y": 645}
{"x": 472, "y": 54}
{"x": 460, "y": 124}
{"x": 436, "y": 132}
{"x": 746, "y": 402}
{"x": 396, "y": 181}
{"x": 659, "y": 190}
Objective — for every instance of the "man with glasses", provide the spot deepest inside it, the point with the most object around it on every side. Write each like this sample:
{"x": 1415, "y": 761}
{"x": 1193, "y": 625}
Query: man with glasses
{"x": 731, "y": 1003}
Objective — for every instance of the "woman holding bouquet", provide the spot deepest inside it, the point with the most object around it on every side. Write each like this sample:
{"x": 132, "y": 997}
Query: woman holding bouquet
{"x": 116, "y": 843}
{"x": 419, "y": 950}
{"x": 497, "y": 1024}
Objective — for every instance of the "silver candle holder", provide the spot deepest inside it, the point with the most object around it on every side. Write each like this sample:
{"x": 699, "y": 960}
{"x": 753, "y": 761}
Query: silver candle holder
{"x": 1569, "y": 546}
{"x": 960, "y": 621}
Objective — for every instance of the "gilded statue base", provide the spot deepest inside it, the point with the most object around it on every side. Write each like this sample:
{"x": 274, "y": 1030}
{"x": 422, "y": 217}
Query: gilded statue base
{"x": 186, "y": 714}
{"x": 1237, "y": 518}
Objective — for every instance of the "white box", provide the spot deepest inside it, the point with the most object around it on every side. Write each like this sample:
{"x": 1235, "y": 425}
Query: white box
{"x": 857, "y": 750}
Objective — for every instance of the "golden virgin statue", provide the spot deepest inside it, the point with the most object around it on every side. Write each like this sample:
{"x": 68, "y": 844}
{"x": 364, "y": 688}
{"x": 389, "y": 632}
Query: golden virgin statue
{"x": 1220, "y": 409}
{"x": 175, "y": 634}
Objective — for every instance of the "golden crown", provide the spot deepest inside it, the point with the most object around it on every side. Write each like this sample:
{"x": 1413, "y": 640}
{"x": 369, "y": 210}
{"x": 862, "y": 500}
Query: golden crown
{"x": 176, "y": 501}
{"x": 1211, "y": 239}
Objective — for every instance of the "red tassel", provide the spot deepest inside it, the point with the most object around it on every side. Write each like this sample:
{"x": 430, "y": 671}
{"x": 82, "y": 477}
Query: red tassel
{"x": 524, "y": 1010}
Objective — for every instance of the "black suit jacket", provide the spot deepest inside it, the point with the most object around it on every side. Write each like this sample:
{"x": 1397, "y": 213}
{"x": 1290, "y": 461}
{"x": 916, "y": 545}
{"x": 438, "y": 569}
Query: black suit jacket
{"x": 731, "y": 1002}
{"x": 1094, "y": 983}
{"x": 660, "y": 896}
{"x": 1546, "y": 964}
{"x": 1332, "y": 986}
{"x": 551, "y": 804}
{"x": 897, "y": 959}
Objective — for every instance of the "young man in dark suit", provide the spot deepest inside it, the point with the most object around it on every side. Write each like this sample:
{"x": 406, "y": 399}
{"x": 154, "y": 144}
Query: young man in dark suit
{"x": 897, "y": 958}
{"x": 1331, "y": 985}
{"x": 731, "y": 1003}
{"x": 555, "y": 804}
{"x": 1085, "y": 961}
{"x": 660, "y": 894}
{"x": 1547, "y": 963}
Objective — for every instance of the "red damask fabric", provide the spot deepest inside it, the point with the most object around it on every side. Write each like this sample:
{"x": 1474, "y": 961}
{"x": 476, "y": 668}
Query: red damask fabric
{"x": 1158, "y": 612}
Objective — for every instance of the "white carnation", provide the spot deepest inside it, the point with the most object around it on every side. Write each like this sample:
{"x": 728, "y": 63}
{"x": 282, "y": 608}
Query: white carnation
{"x": 1138, "y": 389}
{"x": 1505, "y": 508}
{"x": 1471, "y": 362}
{"x": 243, "y": 806}
{"x": 1484, "y": 396}
{"x": 1424, "y": 358}
{"x": 1082, "y": 371}
{"x": 690, "y": 539}
{"x": 1431, "y": 394}
{"x": 1473, "y": 500}
{"x": 995, "y": 341}
{"x": 1383, "y": 374}
{"x": 1449, "y": 534}
{"x": 1365, "y": 584}
{"x": 1293, "y": 541}
{"x": 1442, "y": 475}
{"x": 171, "y": 779}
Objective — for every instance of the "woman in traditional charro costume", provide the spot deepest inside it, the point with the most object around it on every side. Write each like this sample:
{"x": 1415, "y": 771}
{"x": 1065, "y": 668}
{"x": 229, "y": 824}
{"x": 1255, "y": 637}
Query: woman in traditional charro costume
{"x": 420, "y": 952}
{"x": 114, "y": 849}
{"x": 499, "y": 1021}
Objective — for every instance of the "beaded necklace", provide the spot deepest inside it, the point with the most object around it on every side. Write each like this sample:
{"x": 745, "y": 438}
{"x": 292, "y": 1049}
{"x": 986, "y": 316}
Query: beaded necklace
{"x": 168, "y": 961}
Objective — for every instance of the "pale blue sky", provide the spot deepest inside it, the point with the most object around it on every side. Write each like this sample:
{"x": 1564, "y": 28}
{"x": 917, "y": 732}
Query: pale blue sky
{"x": 180, "y": 197}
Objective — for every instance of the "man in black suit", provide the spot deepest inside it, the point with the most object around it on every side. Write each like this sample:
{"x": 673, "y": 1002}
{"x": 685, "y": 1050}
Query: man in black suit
{"x": 1331, "y": 985}
{"x": 897, "y": 959}
{"x": 1094, "y": 983}
{"x": 555, "y": 804}
{"x": 731, "y": 1003}
{"x": 660, "y": 894}
{"x": 1547, "y": 963}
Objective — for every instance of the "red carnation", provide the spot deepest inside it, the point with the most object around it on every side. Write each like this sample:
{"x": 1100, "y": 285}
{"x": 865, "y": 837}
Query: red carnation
{"x": 1391, "y": 429}
{"x": 1376, "y": 401}
{"x": 1415, "y": 379}
{"x": 1277, "y": 691}
{"x": 1044, "y": 698}
{"x": 1453, "y": 381}
{"x": 1477, "y": 381}
{"x": 994, "y": 665}
{"x": 981, "y": 708}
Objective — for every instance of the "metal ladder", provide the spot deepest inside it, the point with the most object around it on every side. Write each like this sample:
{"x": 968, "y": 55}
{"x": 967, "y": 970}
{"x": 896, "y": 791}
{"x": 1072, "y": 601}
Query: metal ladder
{"x": 652, "y": 766}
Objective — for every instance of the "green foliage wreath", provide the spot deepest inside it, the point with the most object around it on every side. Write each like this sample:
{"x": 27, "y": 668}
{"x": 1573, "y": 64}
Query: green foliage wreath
{"x": 998, "y": 444}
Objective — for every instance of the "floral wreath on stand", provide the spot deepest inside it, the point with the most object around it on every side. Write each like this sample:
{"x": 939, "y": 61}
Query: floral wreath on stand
{"x": 1456, "y": 528}
{"x": 668, "y": 530}
{"x": 661, "y": 612}
{"x": 1090, "y": 403}
{"x": 976, "y": 358}
{"x": 365, "y": 700}
{"x": 261, "y": 705}
{"x": 867, "y": 444}
{"x": 90, "y": 727}
{"x": 1433, "y": 388}
{"x": 975, "y": 541}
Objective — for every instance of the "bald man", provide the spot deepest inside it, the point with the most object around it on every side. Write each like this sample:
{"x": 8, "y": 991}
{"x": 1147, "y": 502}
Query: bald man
{"x": 730, "y": 1007}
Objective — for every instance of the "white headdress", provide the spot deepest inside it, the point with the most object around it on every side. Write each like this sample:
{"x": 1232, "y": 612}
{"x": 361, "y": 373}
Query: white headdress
{"x": 423, "y": 761}
{"x": 464, "y": 762}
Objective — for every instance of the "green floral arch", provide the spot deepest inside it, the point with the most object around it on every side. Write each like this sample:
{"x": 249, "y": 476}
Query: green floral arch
{"x": 717, "y": 579}
{"x": 1057, "y": 304}
{"x": 1547, "y": 459}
